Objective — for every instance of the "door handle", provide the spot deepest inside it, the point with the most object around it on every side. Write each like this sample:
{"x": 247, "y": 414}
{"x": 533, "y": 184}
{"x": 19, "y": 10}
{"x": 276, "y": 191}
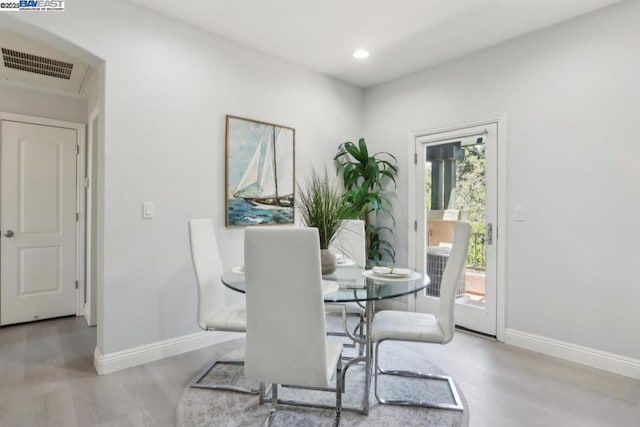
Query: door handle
{"x": 9, "y": 233}
{"x": 489, "y": 234}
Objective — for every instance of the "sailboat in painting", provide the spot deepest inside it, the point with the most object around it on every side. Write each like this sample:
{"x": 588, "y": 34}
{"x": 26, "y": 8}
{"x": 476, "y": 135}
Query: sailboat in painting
{"x": 267, "y": 182}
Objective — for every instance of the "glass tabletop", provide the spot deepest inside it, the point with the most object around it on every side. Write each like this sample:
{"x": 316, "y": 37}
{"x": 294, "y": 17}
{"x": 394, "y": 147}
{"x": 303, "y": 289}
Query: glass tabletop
{"x": 353, "y": 286}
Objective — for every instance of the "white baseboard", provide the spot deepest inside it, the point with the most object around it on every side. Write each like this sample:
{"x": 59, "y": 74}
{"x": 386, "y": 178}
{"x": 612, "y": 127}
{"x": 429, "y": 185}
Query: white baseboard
{"x": 610, "y": 362}
{"x": 119, "y": 360}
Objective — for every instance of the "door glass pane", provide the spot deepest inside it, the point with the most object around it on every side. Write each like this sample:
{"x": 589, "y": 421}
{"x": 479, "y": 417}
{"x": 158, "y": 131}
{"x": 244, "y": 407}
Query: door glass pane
{"x": 455, "y": 185}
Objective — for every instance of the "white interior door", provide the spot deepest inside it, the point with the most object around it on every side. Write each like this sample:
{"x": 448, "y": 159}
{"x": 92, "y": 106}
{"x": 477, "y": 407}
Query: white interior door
{"x": 38, "y": 222}
{"x": 440, "y": 162}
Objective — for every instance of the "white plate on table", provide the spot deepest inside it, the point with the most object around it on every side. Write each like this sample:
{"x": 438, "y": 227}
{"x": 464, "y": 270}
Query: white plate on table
{"x": 388, "y": 273}
{"x": 391, "y": 272}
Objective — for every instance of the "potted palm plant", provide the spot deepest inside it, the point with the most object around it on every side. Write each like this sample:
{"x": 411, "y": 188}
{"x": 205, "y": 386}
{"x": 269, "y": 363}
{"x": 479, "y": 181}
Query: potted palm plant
{"x": 322, "y": 206}
{"x": 366, "y": 177}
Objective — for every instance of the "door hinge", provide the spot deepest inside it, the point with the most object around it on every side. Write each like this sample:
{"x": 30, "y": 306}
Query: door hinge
{"x": 76, "y": 284}
{"x": 77, "y": 149}
{"x": 415, "y": 225}
{"x": 86, "y": 182}
{"x": 77, "y": 216}
{"x": 415, "y": 158}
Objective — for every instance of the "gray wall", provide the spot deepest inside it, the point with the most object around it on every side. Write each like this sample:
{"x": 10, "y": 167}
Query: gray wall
{"x": 571, "y": 96}
{"x": 22, "y": 100}
{"x": 168, "y": 88}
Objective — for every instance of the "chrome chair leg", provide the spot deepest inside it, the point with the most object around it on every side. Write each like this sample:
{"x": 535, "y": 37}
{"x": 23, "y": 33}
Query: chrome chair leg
{"x": 355, "y": 342}
{"x": 275, "y": 401}
{"x": 360, "y": 329}
{"x": 457, "y": 406}
{"x": 339, "y": 391}
{"x": 274, "y": 405}
{"x": 195, "y": 383}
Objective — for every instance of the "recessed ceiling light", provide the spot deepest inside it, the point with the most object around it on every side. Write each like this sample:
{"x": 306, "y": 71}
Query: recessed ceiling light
{"x": 361, "y": 54}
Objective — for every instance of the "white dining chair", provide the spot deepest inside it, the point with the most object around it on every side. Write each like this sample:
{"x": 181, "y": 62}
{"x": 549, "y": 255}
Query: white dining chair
{"x": 213, "y": 313}
{"x": 286, "y": 334}
{"x": 423, "y": 327}
{"x": 351, "y": 243}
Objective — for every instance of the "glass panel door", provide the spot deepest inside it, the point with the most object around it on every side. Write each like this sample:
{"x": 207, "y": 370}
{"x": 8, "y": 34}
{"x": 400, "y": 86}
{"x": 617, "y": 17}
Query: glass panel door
{"x": 457, "y": 182}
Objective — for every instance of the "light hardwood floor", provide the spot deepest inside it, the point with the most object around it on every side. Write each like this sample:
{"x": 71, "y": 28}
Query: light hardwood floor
{"x": 47, "y": 379}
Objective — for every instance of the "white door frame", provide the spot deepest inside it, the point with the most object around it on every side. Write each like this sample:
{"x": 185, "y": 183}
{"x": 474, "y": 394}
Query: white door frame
{"x": 90, "y": 309}
{"x": 80, "y": 169}
{"x": 500, "y": 229}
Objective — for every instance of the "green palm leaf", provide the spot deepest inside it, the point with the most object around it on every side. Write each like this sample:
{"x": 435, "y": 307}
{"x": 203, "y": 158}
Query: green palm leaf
{"x": 365, "y": 178}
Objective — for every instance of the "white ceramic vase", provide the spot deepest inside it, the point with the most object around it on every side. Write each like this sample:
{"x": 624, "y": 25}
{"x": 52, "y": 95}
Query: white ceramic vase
{"x": 328, "y": 261}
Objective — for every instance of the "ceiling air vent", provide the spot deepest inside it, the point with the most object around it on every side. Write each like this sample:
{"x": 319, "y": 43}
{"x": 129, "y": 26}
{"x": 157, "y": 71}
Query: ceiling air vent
{"x": 36, "y": 64}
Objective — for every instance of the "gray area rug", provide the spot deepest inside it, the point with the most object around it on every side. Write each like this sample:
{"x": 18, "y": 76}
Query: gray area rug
{"x": 202, "y": 407}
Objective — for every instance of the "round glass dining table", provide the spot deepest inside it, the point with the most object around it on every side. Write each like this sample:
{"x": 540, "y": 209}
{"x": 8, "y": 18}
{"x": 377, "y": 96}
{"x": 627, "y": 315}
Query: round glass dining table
{"x": 354, "y": 285}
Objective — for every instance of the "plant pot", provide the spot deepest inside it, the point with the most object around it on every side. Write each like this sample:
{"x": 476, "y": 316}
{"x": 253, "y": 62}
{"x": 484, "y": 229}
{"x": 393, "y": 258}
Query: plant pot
{"x": 328, "y": 261}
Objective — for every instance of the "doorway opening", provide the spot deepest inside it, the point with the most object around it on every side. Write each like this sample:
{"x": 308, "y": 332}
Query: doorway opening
{"x": 77, "y": 98}
{"x": 456, "y": 179}
{"x": 40, "y": 217}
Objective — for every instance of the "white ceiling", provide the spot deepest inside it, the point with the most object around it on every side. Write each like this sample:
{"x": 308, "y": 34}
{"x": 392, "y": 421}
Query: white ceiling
{"x": 403, "y": 36}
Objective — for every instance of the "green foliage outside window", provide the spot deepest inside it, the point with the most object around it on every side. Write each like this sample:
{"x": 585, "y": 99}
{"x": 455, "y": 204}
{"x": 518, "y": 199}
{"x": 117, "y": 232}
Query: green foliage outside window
{"x": 471, "y": 191}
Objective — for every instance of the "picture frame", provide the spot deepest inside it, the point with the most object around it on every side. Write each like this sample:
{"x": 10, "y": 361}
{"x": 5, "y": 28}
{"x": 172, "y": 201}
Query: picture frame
{"x": 259, "y": 173}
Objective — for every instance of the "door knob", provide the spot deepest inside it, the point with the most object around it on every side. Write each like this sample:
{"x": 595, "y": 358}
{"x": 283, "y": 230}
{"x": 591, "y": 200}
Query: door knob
{"x": 9, "y": 233}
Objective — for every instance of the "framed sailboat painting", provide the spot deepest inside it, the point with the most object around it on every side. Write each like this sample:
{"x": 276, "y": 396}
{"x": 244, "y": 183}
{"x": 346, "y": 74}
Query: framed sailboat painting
{"x": 260, "y": 172}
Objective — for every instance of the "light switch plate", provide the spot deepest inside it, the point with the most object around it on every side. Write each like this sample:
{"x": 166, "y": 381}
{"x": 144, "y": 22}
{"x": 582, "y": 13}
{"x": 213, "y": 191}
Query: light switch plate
{"x": 147, "y": 210}
{"x": 518, "y": 213}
